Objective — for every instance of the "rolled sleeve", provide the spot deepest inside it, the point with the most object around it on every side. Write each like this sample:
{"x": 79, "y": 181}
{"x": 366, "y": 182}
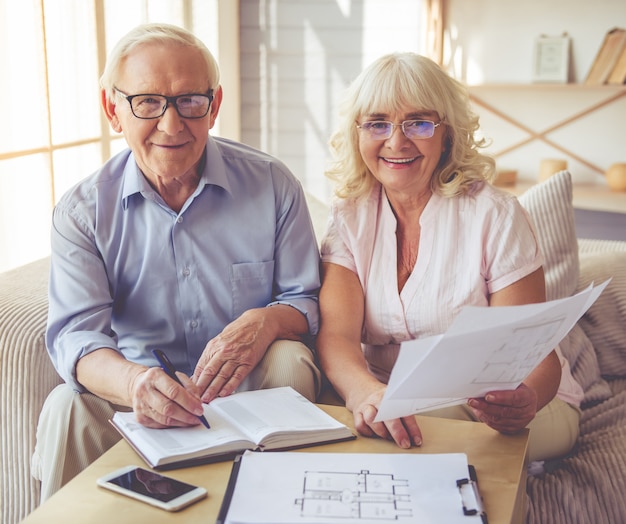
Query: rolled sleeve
{"x": 79, "y": 310}
{"x": 297, "y": 278}
{"x": 334, "y": 249}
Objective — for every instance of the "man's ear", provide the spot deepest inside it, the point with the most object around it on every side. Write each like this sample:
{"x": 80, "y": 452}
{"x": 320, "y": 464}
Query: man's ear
{"x": 215, "y": 106}
{"x": 109, "y": 110}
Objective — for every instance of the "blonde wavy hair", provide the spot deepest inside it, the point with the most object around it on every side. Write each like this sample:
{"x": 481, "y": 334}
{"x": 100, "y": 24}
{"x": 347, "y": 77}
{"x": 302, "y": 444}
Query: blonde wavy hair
{"x": 155, "y": 33}
{"x": 394, "y": 83}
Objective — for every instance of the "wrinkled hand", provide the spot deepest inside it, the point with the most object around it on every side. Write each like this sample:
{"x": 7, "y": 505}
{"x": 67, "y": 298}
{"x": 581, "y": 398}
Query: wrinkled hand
{"x": 506, "y": 411}
{"x": 403, "y": 431}
{"x": 228, "y": 358}
{"x": 159, "y": 401}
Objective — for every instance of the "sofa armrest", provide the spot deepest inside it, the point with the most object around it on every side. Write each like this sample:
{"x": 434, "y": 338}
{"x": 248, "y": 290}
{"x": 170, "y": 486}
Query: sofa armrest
{"x": 26, "y": 378}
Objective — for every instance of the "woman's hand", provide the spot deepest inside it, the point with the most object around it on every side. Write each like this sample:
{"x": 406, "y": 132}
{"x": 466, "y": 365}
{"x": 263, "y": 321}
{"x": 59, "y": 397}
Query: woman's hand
{"x": 339, "y": 349}
{"x": 403, "y": 431}
{"x": 506, "y": 411}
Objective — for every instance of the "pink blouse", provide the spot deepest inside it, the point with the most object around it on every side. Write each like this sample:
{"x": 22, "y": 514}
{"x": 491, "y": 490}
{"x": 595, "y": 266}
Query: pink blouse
{"x": 469, "y": 247}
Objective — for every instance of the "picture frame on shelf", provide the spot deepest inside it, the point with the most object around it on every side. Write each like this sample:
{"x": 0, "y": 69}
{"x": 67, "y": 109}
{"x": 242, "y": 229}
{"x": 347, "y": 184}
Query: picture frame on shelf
{"x": 551, "y": 59}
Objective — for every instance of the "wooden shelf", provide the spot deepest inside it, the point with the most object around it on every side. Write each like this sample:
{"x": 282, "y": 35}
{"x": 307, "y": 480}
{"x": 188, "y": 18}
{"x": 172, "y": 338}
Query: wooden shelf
{"x": 538, "y": 86}
{"x": 585, "y": 196}
{"x": 610, "y": 94}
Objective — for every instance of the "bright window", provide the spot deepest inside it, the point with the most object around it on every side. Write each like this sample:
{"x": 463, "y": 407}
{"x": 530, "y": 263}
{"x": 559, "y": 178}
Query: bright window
{"x": 54, "y": 132}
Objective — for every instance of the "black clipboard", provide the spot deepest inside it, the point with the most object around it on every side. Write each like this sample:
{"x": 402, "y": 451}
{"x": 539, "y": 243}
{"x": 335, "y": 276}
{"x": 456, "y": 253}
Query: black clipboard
{"x": 468, "y": 489}
{"x": 471, "y": 498}
{"x": 230, "y": 489}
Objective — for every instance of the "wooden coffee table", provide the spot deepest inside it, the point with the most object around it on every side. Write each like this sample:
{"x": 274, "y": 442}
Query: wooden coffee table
{"x": 500, "y": 463}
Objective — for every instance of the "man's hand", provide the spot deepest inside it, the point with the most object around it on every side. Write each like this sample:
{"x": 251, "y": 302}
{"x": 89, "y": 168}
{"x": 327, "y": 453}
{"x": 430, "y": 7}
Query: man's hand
{"x": 159, "y": 401}
{"x": 506, "y": 411}
{"x": 229, "y": 357}
{"x": 403, "y": 431}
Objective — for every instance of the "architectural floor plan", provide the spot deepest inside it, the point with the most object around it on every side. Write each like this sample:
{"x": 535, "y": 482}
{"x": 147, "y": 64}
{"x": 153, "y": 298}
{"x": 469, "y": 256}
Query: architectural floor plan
{"x": 363, "y": 495}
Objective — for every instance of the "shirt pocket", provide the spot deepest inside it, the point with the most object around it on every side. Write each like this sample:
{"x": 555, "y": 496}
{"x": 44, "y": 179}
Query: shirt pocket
{"x": 252, "y": 285}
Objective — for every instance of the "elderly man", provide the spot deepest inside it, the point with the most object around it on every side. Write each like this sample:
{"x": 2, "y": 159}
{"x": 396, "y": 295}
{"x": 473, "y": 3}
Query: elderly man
{"x": 195, "y": 245}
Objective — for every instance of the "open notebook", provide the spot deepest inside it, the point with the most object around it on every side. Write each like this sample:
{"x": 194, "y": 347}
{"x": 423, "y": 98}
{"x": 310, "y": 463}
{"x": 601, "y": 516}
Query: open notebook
{"x": 276, "y": 419}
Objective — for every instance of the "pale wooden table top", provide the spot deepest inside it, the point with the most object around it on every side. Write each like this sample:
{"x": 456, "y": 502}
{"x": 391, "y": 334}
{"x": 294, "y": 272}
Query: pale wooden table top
{"x": 500, "y": 463}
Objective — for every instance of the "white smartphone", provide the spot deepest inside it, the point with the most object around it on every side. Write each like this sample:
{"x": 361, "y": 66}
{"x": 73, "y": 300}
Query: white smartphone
{"x": 151, "y": 487}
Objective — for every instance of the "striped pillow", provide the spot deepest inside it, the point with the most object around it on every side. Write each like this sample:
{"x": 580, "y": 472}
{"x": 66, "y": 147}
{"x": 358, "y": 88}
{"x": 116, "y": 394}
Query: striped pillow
{"x": 550, "y": 207}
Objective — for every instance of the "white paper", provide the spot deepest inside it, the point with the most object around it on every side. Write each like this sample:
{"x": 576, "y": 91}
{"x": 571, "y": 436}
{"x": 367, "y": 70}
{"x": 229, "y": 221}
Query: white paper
{"x": 363, "y": 488}
{"x": 485, "y": 349}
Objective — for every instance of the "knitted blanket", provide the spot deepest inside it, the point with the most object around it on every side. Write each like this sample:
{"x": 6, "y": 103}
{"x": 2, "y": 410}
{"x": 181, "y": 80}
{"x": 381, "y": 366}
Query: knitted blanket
{"x": 589, "y": 486}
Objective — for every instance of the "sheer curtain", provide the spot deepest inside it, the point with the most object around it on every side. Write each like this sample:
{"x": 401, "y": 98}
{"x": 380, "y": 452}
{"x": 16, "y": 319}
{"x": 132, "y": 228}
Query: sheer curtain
{"x": 433, "y": 22}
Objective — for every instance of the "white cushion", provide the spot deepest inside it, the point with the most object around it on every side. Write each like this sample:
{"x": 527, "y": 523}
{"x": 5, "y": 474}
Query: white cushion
{"x": 549, "y": 204}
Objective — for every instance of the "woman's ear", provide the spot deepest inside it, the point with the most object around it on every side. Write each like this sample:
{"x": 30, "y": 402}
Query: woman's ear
{"x": 109, "y": 110}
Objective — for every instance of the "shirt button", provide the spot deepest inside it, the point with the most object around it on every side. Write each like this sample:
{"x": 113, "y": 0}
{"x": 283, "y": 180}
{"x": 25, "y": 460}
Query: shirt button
{"x": 193, "y": 324}
{"x": 179, "y": 220}
{"x": 186, "y": 272}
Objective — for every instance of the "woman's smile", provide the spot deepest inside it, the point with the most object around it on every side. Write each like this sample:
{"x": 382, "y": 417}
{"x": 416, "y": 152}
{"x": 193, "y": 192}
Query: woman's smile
{"x": 399, "y": 161}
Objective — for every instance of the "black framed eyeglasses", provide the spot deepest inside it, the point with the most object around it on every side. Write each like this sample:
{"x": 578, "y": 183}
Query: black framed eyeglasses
{"x": 414, "y": 129}
{"x": 148, "y": 106}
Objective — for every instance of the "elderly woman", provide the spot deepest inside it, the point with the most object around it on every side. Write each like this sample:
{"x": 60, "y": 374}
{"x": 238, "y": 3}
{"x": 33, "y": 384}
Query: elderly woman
{"x": 417, "y": 233}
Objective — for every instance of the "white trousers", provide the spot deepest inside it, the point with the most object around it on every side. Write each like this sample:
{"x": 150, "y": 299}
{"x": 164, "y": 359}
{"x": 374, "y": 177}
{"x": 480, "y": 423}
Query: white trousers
{"x": 74, "y": 429}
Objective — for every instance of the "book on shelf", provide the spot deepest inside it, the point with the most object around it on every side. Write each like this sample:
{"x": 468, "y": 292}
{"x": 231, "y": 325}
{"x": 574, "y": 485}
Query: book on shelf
{"x": 618, "y": 75}
{"x": 608, "y": 56}
{"x": 266, "y": 419}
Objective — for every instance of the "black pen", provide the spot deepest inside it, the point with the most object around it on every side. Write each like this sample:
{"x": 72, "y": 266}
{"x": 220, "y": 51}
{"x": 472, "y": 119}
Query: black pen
{"x": 166, "y": 366}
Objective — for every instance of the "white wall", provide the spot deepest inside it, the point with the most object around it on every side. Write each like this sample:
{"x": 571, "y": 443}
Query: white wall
{"x": 297, "y": 56}
{"x": 491, "y": 42}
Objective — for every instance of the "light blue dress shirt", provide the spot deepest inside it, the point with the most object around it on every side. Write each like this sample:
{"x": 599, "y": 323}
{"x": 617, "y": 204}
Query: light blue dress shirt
{"x": 129, "y": 273}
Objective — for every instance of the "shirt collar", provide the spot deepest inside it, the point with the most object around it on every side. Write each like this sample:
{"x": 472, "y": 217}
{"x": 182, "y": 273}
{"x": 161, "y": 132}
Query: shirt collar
{"x": 214, "y": 173}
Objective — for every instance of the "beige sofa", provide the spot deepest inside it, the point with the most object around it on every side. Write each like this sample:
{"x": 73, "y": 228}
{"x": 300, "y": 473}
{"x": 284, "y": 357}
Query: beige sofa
{"x": 588, "y": 486}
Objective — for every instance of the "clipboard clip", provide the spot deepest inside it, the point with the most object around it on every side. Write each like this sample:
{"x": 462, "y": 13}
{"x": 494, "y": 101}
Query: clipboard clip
{"x": 470, "y": 496}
